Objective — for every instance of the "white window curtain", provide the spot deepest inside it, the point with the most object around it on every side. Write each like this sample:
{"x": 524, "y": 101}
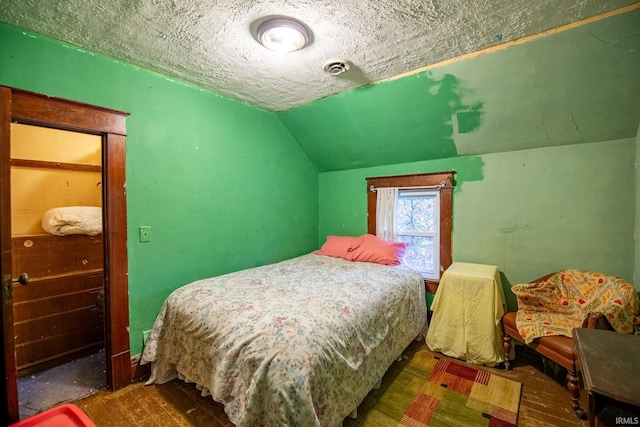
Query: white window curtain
{"x": 387, "y": 199}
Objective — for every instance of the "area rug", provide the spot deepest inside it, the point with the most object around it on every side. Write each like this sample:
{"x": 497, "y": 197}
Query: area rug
{"x": 433, "y": 391}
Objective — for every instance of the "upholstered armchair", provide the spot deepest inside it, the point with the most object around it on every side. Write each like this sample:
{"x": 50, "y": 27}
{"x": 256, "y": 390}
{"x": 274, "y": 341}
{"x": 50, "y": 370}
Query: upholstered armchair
{"x": 549, "y": 308}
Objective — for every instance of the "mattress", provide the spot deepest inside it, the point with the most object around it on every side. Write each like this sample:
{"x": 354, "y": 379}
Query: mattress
{"x": 297, "y": 343}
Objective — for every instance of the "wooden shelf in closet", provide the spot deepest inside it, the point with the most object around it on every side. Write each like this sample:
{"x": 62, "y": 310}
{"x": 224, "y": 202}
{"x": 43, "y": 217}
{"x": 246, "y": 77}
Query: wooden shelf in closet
{"x": 43, "y": 164}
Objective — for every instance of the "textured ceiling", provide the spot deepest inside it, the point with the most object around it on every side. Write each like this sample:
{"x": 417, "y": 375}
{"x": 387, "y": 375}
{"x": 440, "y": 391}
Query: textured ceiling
{"x": 209, "y": 43}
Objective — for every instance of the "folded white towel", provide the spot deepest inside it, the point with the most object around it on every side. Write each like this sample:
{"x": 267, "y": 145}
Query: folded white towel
{"x": 73, "y": 220}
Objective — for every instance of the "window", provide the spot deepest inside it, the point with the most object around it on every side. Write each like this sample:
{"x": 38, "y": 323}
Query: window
{"x": 422, "y": 217}
{"x": 418, "y": 223}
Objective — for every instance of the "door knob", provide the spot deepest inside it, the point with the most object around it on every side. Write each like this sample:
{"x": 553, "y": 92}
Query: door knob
{"x": 23, "y": 279}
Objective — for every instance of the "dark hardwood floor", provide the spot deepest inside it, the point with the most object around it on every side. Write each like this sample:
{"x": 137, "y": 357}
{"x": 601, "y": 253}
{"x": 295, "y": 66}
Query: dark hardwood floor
{"x": 544, "y": 402}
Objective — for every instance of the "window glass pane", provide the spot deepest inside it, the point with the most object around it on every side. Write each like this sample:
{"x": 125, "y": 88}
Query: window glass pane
{"x": 420, "y": 253}
{"x": 416, "y": 214}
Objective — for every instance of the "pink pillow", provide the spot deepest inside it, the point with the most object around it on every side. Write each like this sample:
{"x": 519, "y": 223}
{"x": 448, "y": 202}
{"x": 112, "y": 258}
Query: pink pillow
{"x": 339, "y": 246}
{"x": 374, "y": 249}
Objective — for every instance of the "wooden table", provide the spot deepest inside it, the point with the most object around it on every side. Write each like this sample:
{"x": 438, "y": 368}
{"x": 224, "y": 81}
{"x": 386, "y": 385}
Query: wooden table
{"x": 610, "y": 366}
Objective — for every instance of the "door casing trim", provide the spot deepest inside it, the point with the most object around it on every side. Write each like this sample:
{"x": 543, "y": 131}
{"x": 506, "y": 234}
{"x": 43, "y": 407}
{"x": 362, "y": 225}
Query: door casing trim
{"x": 20, "y": 106}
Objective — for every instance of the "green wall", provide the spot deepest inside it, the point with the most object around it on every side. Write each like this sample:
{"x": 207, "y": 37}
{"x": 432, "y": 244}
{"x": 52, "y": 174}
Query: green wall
{"x": 530, "y": 212}
{"x": 542, "y": 135}
{"x": 222, "y": 184}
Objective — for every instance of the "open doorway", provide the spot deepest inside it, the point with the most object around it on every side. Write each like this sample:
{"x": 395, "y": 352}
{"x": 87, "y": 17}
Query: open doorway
{"x": 57, "y": 237}
{"x": 19, "y": 107}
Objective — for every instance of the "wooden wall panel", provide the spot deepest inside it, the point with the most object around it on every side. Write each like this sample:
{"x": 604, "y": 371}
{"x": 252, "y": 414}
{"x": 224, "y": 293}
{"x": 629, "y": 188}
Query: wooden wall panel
{"x": 47, "y": 307}
{"x": 43, "y": 288}
{"x": 60, "y": 312}
{"x": 46, "y": 327}
{"x": 90, "y": 251}
{"x": 47, "y": 255}
{"x": 42, "y": 256}
{"x": 56, "y": 347}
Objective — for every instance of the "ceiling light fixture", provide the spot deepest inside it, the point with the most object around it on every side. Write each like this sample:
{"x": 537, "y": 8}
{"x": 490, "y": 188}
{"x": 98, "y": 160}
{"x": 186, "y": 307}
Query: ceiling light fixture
{"x": 283, "y": 35}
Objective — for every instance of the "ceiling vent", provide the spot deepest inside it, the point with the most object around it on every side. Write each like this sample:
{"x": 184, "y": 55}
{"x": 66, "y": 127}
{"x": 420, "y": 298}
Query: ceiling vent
{"x": 336, "y": 67}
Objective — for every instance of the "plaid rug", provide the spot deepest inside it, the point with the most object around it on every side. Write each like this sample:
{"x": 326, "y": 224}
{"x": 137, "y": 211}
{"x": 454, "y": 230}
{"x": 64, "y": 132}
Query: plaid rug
{"x": 433, "y": 391}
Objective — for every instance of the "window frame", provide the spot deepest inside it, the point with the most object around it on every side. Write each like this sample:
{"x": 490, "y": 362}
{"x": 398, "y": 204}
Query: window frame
{"x": 419, "y": 180}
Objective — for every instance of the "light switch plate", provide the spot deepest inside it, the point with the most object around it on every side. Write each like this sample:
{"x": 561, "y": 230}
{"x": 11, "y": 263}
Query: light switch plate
{"x": 145, "y": 233}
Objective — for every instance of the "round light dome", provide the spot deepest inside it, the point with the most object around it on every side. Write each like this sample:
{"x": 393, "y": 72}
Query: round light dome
{"x": 283, "y": 35}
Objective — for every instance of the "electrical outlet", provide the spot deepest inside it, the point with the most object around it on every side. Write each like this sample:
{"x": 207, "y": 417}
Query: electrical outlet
{"x": 145, "y": 233}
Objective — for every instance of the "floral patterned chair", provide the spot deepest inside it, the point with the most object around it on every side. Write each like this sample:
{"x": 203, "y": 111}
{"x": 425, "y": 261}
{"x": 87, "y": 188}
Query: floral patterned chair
{"x": 549, "y": 308}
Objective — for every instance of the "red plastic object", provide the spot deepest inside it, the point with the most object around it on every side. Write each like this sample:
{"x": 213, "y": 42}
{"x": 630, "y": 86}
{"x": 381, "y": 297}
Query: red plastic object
{"x": 67, "y": 415}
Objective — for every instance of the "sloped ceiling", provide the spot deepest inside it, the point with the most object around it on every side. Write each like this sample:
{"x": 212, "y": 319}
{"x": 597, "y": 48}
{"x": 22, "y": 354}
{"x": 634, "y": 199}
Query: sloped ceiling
{"x": 209, "y": 43}
{"x": 565, "y": 84}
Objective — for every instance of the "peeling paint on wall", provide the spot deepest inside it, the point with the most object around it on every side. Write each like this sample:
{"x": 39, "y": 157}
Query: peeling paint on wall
{"x": 407, "y": 120}
{"x": 571, "y": 87}
{"x": 469, "y": 120}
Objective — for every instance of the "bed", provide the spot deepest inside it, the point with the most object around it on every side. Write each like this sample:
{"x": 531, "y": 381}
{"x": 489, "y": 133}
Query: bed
{"x": 299, "y": 343}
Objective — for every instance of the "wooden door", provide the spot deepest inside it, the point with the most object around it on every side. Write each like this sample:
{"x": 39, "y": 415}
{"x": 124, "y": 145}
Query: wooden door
{"x": 30, "y": 108}
{"x": 10, "y": 388}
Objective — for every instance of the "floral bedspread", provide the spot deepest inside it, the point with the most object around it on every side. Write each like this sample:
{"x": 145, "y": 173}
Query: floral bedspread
{"x": 297, "y": 343}
{"x": 562, "y": 302}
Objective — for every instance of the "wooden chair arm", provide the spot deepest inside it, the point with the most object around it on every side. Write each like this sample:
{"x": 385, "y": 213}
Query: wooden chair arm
{"x": 597, "y": 321}
{"x": 543, "y": 278}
